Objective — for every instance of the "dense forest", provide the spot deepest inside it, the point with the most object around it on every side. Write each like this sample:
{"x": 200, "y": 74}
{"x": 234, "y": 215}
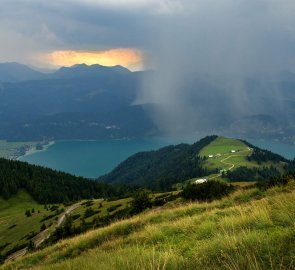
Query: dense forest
{"x": 262, "y": 155}
{"x": 245, "y": 174}
{"x": 49, "y": 186}
{"x": 290, "y": 167}
{"x": 160, "y": 169}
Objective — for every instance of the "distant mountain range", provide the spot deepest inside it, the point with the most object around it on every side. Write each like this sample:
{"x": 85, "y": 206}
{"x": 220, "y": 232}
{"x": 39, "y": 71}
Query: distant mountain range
{"x": 79, "y": 102}
{"x": 15, "y": 72}
{"x": 96, "y": 102}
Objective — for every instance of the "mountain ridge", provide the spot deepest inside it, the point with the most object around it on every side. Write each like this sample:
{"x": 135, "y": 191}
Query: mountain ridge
{"x": 17, "y": 72}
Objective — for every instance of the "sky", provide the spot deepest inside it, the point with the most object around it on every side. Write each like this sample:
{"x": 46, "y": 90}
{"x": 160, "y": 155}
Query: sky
{"x": 188, "y": 42}
{"x": 37, "y": 32}
{"x": 45, "y": 33}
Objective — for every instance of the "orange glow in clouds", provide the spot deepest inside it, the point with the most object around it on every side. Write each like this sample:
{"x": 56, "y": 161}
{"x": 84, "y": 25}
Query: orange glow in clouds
{"x": 129, "y": 58}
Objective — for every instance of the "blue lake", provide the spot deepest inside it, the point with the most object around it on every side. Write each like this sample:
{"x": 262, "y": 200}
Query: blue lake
{"x": 91, "y": 158}
{"x": 283, "y": 149}
{"x": 94, "y": 158}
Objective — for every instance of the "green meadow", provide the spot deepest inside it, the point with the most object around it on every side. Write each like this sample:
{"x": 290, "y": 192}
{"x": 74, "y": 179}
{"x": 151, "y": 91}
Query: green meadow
{"x": 101, "y": 208}
{"x": 223, "y": 145}
{"x": 15, "y": 227}
{"x": 250, "y": 229}
{"x": 224, "y": 159}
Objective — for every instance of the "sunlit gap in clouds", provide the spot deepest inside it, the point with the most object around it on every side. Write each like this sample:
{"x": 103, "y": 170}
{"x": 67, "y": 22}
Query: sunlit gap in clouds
{"x": 132, "y": 59}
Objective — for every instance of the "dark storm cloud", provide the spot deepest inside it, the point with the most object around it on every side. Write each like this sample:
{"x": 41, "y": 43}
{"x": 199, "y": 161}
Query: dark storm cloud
{"x": 214, "y": 62}
{"x": 202, "y": 50}
{"x": 36, "y": 26}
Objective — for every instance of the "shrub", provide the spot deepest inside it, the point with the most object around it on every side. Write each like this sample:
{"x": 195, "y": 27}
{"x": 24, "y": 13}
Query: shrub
{"x": 114, "y": 207}
{"x": 43, "y": 227}
{"x": 278, "y": 181}
{"x": 89, "y": 212}
{"x": 28, "y": 213}
{"x": 207, "y": 191}
{"x": 141, "y": 201}
{"x": 31, "y": 245}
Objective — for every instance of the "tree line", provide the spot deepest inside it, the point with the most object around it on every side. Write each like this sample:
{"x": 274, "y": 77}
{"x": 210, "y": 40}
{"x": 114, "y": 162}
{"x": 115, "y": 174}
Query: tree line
{"x": 263, "y": 155}
{"x": 245, "y": 174}
{"x": 50, "y": 186}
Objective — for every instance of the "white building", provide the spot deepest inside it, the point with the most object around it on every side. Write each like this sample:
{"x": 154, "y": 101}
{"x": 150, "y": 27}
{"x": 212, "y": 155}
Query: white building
{"x": 201, "y": 181}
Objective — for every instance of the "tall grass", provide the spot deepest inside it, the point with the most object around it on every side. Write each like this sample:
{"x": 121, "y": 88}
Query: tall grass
{"x": 248, "y": 230}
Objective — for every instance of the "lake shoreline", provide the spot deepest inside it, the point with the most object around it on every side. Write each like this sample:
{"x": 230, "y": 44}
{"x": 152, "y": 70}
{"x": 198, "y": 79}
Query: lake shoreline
{"x": 34, "y": 150}
{"x": 94, "y": 158}
{"x": 88, "y": 158}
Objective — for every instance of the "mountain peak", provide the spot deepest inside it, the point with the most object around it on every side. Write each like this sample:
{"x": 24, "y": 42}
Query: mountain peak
{"x": 95, "y": 70}
{"x": 15, "y": 72}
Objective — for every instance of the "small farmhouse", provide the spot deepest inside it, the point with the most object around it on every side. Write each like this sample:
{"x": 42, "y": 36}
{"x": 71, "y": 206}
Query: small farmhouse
{"x": 201, "y": 181}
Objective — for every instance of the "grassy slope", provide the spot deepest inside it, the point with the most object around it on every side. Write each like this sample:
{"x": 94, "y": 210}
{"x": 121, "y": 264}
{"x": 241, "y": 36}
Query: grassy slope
{"x": 248, "y": 230}
{"x": 223, "y": 146}
{"x": 12, "y": 212}
{"x": 101, "y": 205}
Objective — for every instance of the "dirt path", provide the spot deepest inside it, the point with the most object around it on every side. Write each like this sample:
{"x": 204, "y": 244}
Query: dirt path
{"x": 231, "y": 165}
{"x": 62, "y": 218}
{"x": 40, "y": 238}
{"x": 17, "y": 254}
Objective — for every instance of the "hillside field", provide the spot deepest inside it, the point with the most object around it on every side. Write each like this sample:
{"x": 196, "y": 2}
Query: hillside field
{"x": 250, "y": 229}
{"x": 223, "y": 158}
{"x": 219, "y": 156}
{"x": 16, "y": 229}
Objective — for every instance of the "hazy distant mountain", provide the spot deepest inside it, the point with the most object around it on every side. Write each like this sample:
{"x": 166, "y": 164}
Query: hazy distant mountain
{"x": 14, "y": 72}
{"x": 95, "y": 102}
{"x": 93, "y": 71}
{"x": 79, "y": 102}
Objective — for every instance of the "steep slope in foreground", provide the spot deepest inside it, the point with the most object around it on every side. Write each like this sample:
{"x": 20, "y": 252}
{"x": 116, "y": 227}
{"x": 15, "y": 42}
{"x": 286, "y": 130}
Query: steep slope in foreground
{"x": 251, "y": 229}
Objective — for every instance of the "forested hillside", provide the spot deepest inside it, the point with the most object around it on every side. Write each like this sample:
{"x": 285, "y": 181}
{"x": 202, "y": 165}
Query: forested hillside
{"x": 262, "y": 155}
{"x": 161, "y": 169}
{"x": 49, "y": 186}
